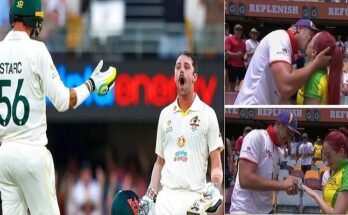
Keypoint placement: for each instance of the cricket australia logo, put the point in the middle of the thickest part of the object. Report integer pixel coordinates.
(169, 127)
(194, 123)
(181, 141)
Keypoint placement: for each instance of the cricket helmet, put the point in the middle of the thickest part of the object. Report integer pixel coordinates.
(29, 12)
(126, 202)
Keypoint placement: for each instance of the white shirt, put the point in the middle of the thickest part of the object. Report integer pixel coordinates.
(304, 150)
(28, 75)
(82, 194)
(293, 148)
(251, 46)
(185, 141)
(258, 148)
(344, 79)
(282, 154)
(346, 45)
(259, 86)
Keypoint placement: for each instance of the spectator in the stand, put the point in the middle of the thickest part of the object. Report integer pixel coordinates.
(293, 148)
(239, 141)
(284, 153)
(173, 39)
(339, 43)
(229, 162)
(54, 31)
(134, 179)
(227, 35)
(227, 31)
(251, 45)
(346, 47)
(87, 192)
(210, 44)
(344, 86)
(235, 49)
(318, 150)
(306, 152)
(75, 25)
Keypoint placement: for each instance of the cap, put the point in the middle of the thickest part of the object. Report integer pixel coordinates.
(238, 26)
(289, 119)
(306, 23)
(304, 135)
(253, 30)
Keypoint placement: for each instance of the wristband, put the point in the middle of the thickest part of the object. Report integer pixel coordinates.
(152, 194)
(82, 93)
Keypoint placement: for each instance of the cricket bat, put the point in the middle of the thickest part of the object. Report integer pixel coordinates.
(199, 206)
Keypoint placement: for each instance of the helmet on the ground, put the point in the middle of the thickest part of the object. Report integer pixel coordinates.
(126, 202)
(29, 12)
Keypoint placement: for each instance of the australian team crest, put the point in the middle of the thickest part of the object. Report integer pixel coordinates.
(194, 123)
(181, 141)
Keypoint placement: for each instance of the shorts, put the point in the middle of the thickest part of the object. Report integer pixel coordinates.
(174, 202)
(235, 72)
(27, 180)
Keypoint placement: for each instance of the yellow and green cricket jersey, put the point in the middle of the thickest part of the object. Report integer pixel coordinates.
(318, 148)
(337, 182)
(316, 87)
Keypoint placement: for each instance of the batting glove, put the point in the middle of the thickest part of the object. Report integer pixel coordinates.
(102, 82)
(148, 202)
(213, 192)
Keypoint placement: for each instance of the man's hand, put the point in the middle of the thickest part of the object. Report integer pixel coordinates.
(148, 202)
(102, 82)
(322, 60)
(290, 185)
(215, 196)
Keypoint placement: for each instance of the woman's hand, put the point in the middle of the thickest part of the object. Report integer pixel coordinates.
(310, 192)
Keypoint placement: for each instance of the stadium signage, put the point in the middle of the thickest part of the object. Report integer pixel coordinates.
(338, 11)
(292, 9)
(338, 114)
(143, 88)
(306, 115)
(275, 9)
(133, 89)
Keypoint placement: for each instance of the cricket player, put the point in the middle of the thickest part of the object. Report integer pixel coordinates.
(27, 76)
(270, 78)
(187, 135)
